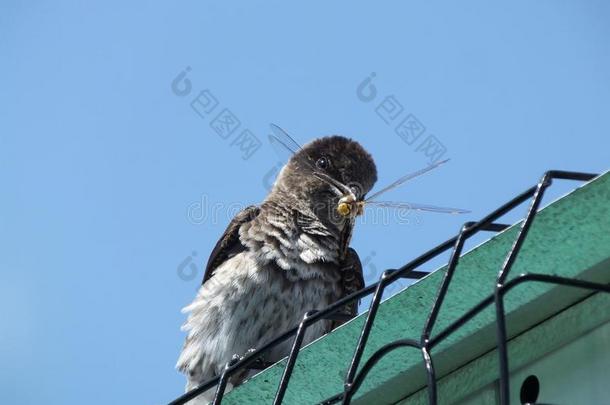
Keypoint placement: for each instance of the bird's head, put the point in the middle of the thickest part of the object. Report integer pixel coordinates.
(325, 172)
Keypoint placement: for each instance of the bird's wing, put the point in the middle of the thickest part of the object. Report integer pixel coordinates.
(352, 280)
(229, 245)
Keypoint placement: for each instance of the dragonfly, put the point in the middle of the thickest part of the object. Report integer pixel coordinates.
(348, 204)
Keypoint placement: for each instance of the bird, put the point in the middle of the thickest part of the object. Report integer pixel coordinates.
(277, 260)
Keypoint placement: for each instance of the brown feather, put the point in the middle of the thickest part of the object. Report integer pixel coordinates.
(229, 245)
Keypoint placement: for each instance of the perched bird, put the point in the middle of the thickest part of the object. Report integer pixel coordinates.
(278, 260)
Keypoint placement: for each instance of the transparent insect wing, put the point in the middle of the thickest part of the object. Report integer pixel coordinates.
(405, 178)
(286, 147)
(408, 206)
(283, 144)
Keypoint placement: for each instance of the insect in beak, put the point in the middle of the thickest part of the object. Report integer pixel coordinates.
(349, 206)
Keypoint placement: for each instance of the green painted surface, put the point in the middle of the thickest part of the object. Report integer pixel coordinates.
(577, 373)
(569, 237)
(471, 383)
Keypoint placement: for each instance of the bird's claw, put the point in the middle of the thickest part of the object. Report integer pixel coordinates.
(350, 261)
(258, 364)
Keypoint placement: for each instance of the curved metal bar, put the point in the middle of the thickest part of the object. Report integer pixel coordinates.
(195, 392)
(430, 375)
(366, 330)
(455, 325)
(440, 295)
(544, 183)
(501, 343)
(501, 319)
(501, 334)
(551, 279)
(466, 231)
(253, 356)
(222, 384)
(479, 307)
(525, 227)
(374, 359)
(404, 271)
(387, 279)
(292, 358)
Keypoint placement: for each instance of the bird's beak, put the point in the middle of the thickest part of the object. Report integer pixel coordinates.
(340, 189)
(349, 205)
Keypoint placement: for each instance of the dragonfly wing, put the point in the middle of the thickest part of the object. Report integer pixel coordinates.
(405, 178)
(417, 207)
(286, 147)
(283, 144)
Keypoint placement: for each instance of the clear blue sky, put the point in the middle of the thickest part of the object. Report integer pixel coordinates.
(100, 160)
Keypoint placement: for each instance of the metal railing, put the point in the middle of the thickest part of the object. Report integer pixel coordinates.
(426, 341)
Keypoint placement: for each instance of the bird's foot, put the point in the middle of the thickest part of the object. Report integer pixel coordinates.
(343, 315)
(260, 363)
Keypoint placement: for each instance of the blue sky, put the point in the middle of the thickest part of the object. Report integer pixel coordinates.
(101, 161)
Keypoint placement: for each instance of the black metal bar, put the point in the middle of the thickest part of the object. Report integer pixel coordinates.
(458, 323)
(406, 271)
(522, 197)
(466, 231)
(544, 183)
(501, 343)
(416, 275)
(552, 279)
(432, 253)
(355, 296)
(501, 335)
(252, 357)
(496, 227)
(364, 334)
(455, 325)
(374, 359)
(431, 376)
(525, 227)
(430, 373)
(440, 296)
(222, 384)
(576, 176)
(414, 264)
(292, 358)
(537, 196)
(195, 392)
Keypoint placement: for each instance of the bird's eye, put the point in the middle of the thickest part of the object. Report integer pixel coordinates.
(322, 163)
